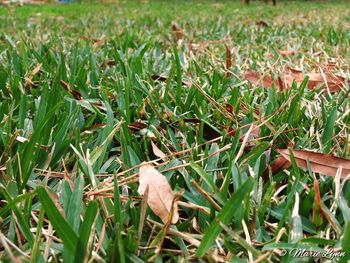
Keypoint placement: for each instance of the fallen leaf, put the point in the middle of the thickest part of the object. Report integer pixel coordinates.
(193, 47)
(228, 61)
(319, 207)
(317, 211)
(279, 164)
(157, 152)
(328, 66)
(333, 82)
(136, 126)
(111, 63)
(28, 79)
(229, 107)
(94, 40)
(289, 75)
(255, 78)
(261, 23)
(94, 127)
(287, 53)
(164, 79)
(326, 164)
(179, 33)
(76, 94)
(160, 194)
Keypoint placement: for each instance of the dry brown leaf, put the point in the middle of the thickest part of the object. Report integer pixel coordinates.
(261, 23)
(328, 66)
(179, 33)
(287, 53)
(277, 165)
(229, 107)
(157, 152)
(136, 126)
(193, 47)
(334, 82)
(164, 79)
(255, 78)
(94, 40)
(28, 79)
(326, 164)
(319, 203)
(76, 94)
(289, 75)
(228, 61)
(160, 195)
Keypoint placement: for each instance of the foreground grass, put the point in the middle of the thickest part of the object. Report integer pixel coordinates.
(80, 106)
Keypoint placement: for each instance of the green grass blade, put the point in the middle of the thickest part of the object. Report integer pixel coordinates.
(225, 216)
(82, 250)
(329, 131)
(63, 229)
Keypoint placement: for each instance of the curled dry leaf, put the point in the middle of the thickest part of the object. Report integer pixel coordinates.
(160, 194)
(287, 53)
(318, 202)
(255, 78)
(193, 47)
(326, 164)
(136, 126)
(157, 152)
(279, 164)
(229, 107)
(76, 94)
(333, 82)
(28, 79)
(179, 33)
(164, 79)
(261, 23)
(228, 61)
(289, 75)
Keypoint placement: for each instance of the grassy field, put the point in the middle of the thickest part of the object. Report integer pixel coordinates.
(88, 92)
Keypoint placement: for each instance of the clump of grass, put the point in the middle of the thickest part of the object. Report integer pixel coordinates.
(83, 98)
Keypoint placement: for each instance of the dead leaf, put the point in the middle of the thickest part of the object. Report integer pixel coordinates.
(326, 164)
(28, 79)
(193, 47)
(94, 127)
(261, 23)
(76, 94)
(111, 63)
(229, 107)
(164, 79)
(179, 33)
(279, 164)
(319, 203)
(255, 78)
(228, 61)
(333, 82)
(317, 215)
(136, 126)
(160, 194)
(287, 53)
(94, 40)
(289, 75)
(328, 66)
(157, 152)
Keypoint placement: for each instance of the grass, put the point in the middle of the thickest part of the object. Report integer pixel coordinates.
(74, 132)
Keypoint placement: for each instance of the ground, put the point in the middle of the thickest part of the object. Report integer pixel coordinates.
(91, 91)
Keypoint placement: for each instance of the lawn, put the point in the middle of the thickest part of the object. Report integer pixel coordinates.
(175, 131)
